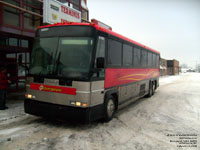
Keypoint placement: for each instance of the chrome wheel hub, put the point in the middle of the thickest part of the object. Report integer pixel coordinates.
(110, 107)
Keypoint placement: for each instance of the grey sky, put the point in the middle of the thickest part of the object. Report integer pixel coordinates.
(169, 26)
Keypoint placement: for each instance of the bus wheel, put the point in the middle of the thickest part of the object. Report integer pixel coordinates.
(150, 89)
(153, 87)
(109, 108)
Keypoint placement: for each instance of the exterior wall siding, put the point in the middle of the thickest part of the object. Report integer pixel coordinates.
(172, 67)
(163, 67)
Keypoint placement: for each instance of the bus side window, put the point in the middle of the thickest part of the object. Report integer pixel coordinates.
(100, 47)
(157, 61)
(154, 60)
(127, 55)
(100, 52)
(136, 58)
(143, 58)
(114, 53)
(150, 59)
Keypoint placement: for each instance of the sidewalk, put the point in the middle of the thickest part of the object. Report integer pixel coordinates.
(15, 103)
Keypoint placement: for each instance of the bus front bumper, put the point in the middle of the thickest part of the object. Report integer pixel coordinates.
(61, 112)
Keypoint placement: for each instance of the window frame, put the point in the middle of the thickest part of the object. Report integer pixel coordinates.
(107, 53)
(138, 65)
(123, 64)
(151, 63)
(142, 58)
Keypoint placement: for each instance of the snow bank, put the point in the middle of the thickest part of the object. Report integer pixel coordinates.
(168, 79)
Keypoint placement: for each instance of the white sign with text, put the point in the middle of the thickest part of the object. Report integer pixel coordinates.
(54, 11)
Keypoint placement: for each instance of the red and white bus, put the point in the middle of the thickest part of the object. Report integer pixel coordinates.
(87, 72)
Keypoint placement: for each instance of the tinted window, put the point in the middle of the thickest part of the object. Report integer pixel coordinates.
(65, 57)
(154, 60)
(143, 58)
(100, 47)
(72, 31)
(150, 59)
(100, 53)
(136, 57)
(43, 55)
(157, 61)
(114, 53)
(127, 55)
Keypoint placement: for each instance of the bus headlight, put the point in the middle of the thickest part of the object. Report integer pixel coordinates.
(29, 96)
(79, 104)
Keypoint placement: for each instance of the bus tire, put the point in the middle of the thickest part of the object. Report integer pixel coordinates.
(109, 108)
(150, 93)
(153, 87)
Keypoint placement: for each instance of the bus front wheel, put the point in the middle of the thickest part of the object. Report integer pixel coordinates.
(109, 108)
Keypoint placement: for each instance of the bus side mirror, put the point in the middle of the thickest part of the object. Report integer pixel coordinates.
(100, 62)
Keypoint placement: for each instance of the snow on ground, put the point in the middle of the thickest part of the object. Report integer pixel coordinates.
(168, 79)
(143, 125)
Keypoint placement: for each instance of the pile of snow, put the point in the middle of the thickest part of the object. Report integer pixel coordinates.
(168, 79)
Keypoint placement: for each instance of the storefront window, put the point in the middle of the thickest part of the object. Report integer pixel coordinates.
(24, 43)
(33, 3)
(77, 2)
(84, 14)
(13, 42)
(28, 21)
(31, 21)
(76, 7)
(4, 40)
(11, 15)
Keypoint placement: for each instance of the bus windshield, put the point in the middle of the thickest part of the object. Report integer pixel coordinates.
(62, 57)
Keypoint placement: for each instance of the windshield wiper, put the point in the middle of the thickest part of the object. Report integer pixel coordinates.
(55, 68)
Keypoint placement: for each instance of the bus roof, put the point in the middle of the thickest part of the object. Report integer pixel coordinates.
(100, 29)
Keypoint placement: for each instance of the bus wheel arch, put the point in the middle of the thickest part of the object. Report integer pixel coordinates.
(110, 106)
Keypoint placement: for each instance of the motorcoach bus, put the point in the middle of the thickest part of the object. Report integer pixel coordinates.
(86, 71)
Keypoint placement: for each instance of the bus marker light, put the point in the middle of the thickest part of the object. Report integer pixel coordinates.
(72, 103)
(84, 105)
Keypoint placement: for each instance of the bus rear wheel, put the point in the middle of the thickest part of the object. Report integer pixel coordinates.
(150, 93)
(109, 108)
(153, 87)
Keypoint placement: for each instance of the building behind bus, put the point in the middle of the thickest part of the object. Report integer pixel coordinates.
(19, 20)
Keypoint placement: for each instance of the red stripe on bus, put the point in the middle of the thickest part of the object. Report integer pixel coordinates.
(55, 89)
(117, 76)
